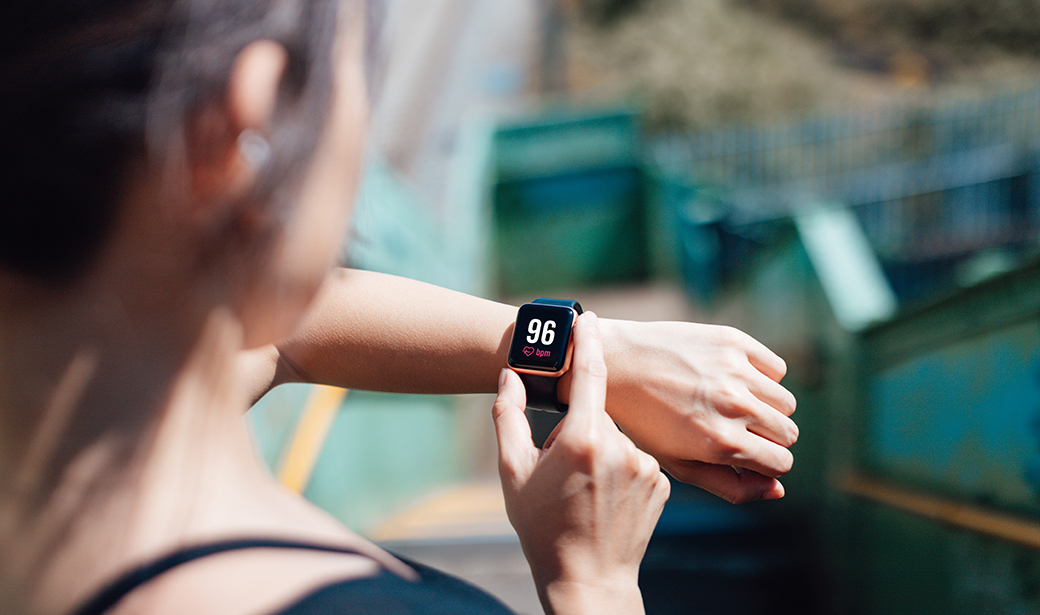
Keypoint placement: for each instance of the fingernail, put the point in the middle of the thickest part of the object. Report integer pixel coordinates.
(502, 378)
(592, 318)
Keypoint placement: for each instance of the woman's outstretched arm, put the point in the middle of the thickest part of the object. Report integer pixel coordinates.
(379, 332)
(702, 399)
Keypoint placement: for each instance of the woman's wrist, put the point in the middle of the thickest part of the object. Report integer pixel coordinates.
(579, 585)
(614, 341)
(259, 370)
(603, 596)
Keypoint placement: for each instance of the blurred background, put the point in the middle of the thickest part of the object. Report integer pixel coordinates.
(853, 182)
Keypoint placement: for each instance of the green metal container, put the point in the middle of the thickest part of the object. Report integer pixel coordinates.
(569, 203)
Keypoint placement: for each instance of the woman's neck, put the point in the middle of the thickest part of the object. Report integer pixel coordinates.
(115, 448)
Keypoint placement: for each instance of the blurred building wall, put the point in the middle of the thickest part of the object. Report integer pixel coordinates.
(443, 67)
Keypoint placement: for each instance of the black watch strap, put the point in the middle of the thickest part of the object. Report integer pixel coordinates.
(542, 394)
(544, 410)
(542, 415)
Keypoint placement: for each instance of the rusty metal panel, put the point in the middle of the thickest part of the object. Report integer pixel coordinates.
(963, 419)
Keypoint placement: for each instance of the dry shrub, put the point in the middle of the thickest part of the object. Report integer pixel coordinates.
(1011, 24)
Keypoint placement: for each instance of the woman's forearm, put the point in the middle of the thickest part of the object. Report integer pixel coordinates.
(702, 399)
(380, 332)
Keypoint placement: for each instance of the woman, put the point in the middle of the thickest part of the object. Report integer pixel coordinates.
(173, 173)
(172, 205)
(702, 399)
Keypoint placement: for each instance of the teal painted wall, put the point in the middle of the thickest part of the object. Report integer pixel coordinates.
(386, 450)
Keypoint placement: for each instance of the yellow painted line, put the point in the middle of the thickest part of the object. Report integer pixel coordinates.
(301, 454)
(956, 513)
(470, 510)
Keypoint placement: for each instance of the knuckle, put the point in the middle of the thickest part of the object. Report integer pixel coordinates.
(742, 497)
(728, 398)
(582, 449)
(730, 335)
(664, 486)
(592, 367)
(589, 330)
(648, 466)
(499, 408)
(631, 468)
(662, 490)
(723, 446)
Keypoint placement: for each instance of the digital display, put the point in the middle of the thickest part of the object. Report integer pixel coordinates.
(541, 337)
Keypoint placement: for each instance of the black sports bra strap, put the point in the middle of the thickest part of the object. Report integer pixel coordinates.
(110, 595)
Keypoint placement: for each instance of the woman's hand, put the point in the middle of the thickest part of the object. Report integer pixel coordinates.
(586, 505)
(704, 400)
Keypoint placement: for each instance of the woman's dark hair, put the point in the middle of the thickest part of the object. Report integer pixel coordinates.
(86, 84)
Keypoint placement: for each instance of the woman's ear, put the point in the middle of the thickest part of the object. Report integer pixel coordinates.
(255, 81)
(227, 140)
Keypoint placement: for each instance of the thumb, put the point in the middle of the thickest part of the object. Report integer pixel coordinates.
(589, 384)
(516, 451)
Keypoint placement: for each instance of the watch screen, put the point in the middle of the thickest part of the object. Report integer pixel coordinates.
(541, 336)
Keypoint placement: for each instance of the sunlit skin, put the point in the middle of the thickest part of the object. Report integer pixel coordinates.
(127, 383)
(700, 398)
(122, 395)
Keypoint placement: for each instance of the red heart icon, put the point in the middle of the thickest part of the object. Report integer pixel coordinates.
(528, 351)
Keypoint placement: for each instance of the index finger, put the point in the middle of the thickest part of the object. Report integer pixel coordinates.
(589, 373)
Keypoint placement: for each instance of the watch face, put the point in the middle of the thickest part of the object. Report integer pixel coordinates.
(541, 337)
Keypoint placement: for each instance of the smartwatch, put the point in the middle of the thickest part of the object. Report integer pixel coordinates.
(540, 353)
